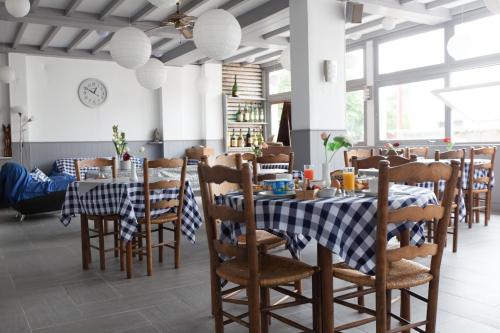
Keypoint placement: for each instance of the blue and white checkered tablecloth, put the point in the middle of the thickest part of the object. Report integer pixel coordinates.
(345, 225)
(462, 211)
(126, 199)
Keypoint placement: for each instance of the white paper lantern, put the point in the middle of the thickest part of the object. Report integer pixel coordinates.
(493, 6)
(217, 34)
(461, 46)
(152, 75)
(388, 23)
(163, 3)
(17, 8)
(285, 59)
(7, 75)
(130, 48)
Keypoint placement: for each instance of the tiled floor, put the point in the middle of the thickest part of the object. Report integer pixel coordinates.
(43, 289)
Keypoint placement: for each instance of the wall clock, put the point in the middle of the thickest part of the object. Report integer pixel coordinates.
(92, 93)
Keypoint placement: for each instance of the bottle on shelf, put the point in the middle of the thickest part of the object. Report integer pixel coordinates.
(248, 139)
(234, 91)
(246, 113)
(239, 114)
(261, 137)
(261, 114)
(234, 140)
(255, 115)
(255, 138)
(241, 140)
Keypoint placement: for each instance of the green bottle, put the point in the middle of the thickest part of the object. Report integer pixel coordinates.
(234, 91)
(239, 114)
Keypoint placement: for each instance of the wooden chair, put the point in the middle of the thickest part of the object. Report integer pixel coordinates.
(395, 268)
(359, 153)
(271, 159)
(249, 268)
(100, 229)
(172, 218)
(418, 151)
(374, 161)
(455, 220)
(475, 203)
(276, 150)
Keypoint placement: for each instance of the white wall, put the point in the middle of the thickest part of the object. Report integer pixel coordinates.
(51, 96)
(4, 100)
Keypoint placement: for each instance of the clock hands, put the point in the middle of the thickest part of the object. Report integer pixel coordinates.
(93, 92)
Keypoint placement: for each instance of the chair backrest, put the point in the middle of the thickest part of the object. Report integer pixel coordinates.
(272, 159)
(458, 155)
(232, 161)
(214, 212)
(413, 173)
(418, 151)
(373, 162)
(164, 184)
(359, 153)
(487, 153)
(276, 150)
(95, 163)
(396, 160)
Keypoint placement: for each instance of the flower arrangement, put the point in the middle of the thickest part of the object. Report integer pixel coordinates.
(120, 143)
(334, 145)
(449, 143)
(257, 149)
(392, 147)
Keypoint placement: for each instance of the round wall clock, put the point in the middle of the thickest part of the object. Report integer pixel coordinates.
(92, 93)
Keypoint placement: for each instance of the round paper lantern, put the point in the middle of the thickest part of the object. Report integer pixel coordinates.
(285, 59)
(102, 34)
(388, 23)
(217, 34)
(461, 46)
(130, 47)
(493, 6)
(17, 8)
(163, 3)
(7, 74)
(152, 75)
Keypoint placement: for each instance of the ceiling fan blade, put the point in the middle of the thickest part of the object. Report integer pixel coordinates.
(189, 18)
(187, 33)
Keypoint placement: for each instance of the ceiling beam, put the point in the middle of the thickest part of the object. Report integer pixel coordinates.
(160, 43)
(143, 12)
(192, 5)
(19, 34)
(102, 44)
(110, 8)
(50, 36)
(364, 26)
(79, 39)
(231, 4)
(244, 55)
(34, 5)
(413, 11)
(178, 51)
(72, 7)
(265, 57)
(53, 51)
(276, 32)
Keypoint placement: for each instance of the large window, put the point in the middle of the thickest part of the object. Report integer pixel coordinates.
(416, 51)
(477, 38)
(355, 115)
(279, 82)
(411, 112)
(355, 65)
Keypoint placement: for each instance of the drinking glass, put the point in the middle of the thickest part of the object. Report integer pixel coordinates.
(349, 180)
(309, 172)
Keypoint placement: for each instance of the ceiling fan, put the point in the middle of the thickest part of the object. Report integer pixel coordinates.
(180, 21)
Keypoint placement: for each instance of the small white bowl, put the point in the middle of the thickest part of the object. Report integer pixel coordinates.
(328, 192)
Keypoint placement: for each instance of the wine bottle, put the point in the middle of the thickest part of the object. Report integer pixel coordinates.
(234, 91)
(261, 114)
(246, 113)
(248, 139)
(239, 114)
(255, 117)
(255, 138)
(234, 141)
(241, 140)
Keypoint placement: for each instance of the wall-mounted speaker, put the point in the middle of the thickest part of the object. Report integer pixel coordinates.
(354, 12)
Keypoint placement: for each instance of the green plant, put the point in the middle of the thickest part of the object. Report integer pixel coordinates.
(119, 141)
(334, 145)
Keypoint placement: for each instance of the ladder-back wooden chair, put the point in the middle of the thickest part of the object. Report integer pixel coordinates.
(455, 209)
(272, 159)
(170, 220)
(418, 151)
(479, 189)
(359, 153)
(100, 229)
(395, 267)
(248, 267)
(373, 162)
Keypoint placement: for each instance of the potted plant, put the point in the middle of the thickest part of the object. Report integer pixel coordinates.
(121, 148)
(392, 148)
(449, 143)
(331, 148)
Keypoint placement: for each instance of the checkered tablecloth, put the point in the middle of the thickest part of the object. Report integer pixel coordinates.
(126, 199)
(346, 225)
(462, 211)
(67, 165)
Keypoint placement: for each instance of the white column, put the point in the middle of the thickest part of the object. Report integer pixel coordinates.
(317, 34)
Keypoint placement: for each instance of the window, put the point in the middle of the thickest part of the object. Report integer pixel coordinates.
(355, 65)
(411, 112)
(276, 110)
(424, 49)
(355, 115)
(474, 114)
(280, 81)
(477, 38)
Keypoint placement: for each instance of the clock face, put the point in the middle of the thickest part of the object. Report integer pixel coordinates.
(92, 92)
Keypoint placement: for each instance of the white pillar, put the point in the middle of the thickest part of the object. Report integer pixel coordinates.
(317, 30)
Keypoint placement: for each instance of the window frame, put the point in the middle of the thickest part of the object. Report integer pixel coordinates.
(360, 84)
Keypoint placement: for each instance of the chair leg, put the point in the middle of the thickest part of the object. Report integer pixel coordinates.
(177, 243)
(456, 220)
(476, 205)
(160, 241)
(149, 249)
(381, 312)
(432, 305)
(487, 203)
(116, 237)
(122, 255)
(139, 241)
(405, 312)
(105, 226)
(388, 302)
(297, 285)
(102, 257)
(217, 305)
(84, 224)
(316, 306)
(470, 209)
(361, 299)
(265, 317)
(129, 259)
(254, 308)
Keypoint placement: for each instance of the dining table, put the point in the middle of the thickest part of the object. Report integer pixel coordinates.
(344, 225)
(124, 197)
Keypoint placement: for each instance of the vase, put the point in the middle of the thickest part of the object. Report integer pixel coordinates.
(125, 165)
(133, 173)
(326, 174)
